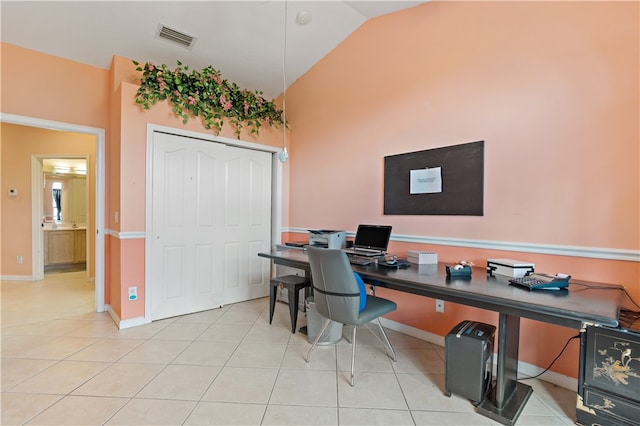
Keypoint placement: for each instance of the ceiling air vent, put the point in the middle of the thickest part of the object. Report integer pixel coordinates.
(175, 36)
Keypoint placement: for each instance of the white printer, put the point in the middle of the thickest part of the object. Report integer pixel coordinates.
(327, 238)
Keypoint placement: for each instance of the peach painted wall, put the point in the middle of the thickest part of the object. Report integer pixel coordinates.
(47, 87)
(552, 89)
(19, 143)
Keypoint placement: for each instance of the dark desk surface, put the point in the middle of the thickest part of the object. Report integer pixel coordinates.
(566, 308)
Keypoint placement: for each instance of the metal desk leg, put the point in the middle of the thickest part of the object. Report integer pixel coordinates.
(507, 399)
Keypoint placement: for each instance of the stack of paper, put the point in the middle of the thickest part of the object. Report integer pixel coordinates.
(422, 257)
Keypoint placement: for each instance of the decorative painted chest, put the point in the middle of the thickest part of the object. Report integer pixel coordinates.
(609, 377)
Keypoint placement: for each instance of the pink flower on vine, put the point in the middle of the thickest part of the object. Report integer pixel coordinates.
(217, 79)
(246, 107)
(226, 104)
(192, 100)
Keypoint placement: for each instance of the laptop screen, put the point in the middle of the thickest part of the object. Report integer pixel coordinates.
(375, 237)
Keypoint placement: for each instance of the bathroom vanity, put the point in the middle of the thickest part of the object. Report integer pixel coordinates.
(65, 245)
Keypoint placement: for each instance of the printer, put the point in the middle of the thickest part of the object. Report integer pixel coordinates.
(327, 238)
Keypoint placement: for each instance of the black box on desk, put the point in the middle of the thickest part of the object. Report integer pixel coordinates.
(469, 360)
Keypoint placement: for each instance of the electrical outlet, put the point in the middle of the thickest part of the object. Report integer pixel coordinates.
(133, 293)
(19, 260)
(439, 305)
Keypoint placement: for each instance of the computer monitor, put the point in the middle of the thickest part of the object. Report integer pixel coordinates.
(372, 237)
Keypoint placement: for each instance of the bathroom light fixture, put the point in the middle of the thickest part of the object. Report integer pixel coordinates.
(284, 155)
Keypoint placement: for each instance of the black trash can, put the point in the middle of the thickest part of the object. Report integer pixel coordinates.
(469, 359)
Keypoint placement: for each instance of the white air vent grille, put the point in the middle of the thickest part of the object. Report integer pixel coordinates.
(175, 36)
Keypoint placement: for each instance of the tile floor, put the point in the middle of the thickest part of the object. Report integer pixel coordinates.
(62, 363)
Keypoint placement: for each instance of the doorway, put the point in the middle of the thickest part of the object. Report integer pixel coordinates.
(66, 214)
(98, 185)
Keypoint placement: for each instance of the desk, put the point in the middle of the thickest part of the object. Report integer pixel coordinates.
(569, 309)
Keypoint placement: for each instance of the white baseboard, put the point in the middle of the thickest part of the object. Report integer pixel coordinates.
(524, 369)
(16, 278)
(122, 324)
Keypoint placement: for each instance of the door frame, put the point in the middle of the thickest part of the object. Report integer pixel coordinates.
(36, 237)
(276, 192)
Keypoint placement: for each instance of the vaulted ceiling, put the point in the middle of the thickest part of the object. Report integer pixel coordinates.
(248, 41)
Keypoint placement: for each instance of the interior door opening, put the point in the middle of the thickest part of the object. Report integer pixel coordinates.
(66, 215)
(98, 183)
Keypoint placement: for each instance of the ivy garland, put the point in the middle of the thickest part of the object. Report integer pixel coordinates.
(207, 95)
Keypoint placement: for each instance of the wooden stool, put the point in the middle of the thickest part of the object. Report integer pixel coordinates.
(293, 283)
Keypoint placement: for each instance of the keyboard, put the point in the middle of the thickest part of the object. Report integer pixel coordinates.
(542, 282)
(359, 260)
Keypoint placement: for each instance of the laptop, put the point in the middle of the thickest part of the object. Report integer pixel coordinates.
(371, 240)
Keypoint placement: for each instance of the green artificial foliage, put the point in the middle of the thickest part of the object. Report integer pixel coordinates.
(207, 95)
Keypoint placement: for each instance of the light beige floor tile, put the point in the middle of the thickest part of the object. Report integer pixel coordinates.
(257, 355)
(156, 351)
(94, 329)
(55, 327)
(226, 413)
(186, 382)
(300, 415)
(365, 335)
(146, 331)
(368, 416)
(225, 333)
(535, 420)
(379, 390)
(442, 418)
(20, 346)
(425, 361)
(205, 317)
(560, 400)
(368, 358)
(107, 350)
(267, 334)
(59, 348)
(535, 407)
(206, 353)
(181, 331)
(17, 370)
(305, 387)
(321, 358)
(239, 317)
(399, 340)
(425, 392)
(120, 380)
(247, 385)
(18, 408)
(61, 378)
(147, 412)
(79, 410)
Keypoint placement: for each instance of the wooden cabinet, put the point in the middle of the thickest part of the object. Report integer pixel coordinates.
(80, 246)
(609, 380)
(65, 246)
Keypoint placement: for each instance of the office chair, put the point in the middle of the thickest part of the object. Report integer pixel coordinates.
(337, 298)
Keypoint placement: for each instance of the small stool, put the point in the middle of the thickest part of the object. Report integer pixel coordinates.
(293, 283)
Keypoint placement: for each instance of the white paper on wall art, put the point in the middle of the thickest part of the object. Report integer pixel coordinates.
(426, 181)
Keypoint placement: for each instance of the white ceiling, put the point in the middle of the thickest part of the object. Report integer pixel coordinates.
(245, 40)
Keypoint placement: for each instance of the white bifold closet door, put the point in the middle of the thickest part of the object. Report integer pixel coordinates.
(211, 216)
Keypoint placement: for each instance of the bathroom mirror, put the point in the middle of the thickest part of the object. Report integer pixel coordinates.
(65, 191)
